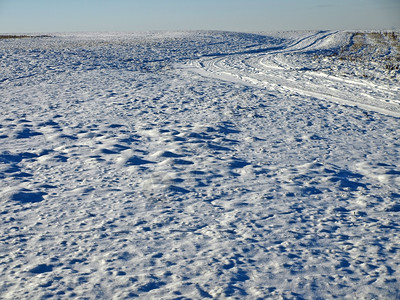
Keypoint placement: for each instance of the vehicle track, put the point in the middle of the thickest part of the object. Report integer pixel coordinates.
(280, 69)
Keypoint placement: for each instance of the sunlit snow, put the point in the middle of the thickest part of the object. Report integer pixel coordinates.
(192, 165)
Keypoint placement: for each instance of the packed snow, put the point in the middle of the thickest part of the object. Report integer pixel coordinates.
(192, 165)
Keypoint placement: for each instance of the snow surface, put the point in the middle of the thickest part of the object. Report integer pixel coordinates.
(191, 165)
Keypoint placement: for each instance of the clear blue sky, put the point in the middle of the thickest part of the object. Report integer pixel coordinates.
(18, 16)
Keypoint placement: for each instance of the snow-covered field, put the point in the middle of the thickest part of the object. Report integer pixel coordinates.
(191, 165)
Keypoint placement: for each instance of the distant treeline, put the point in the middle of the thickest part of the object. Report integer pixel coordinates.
(10, 36)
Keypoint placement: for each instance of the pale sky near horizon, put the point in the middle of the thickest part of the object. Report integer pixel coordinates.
(29, 16)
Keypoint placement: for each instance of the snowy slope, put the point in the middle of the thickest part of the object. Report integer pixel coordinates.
(191, 165)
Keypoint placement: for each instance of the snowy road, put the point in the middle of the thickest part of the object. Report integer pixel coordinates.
(272, 70)
(192, 165)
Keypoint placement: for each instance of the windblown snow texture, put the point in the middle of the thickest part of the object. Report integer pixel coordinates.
(192, 165)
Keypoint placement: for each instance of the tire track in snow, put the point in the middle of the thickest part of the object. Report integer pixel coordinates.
(270, 70)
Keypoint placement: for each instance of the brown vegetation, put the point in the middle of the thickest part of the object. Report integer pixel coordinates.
(375, 46)
(366, 54)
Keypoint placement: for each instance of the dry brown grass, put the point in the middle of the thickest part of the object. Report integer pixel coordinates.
(392, 36)
(361, 41)
(365, 51)
(377, 38)
(358, 40)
